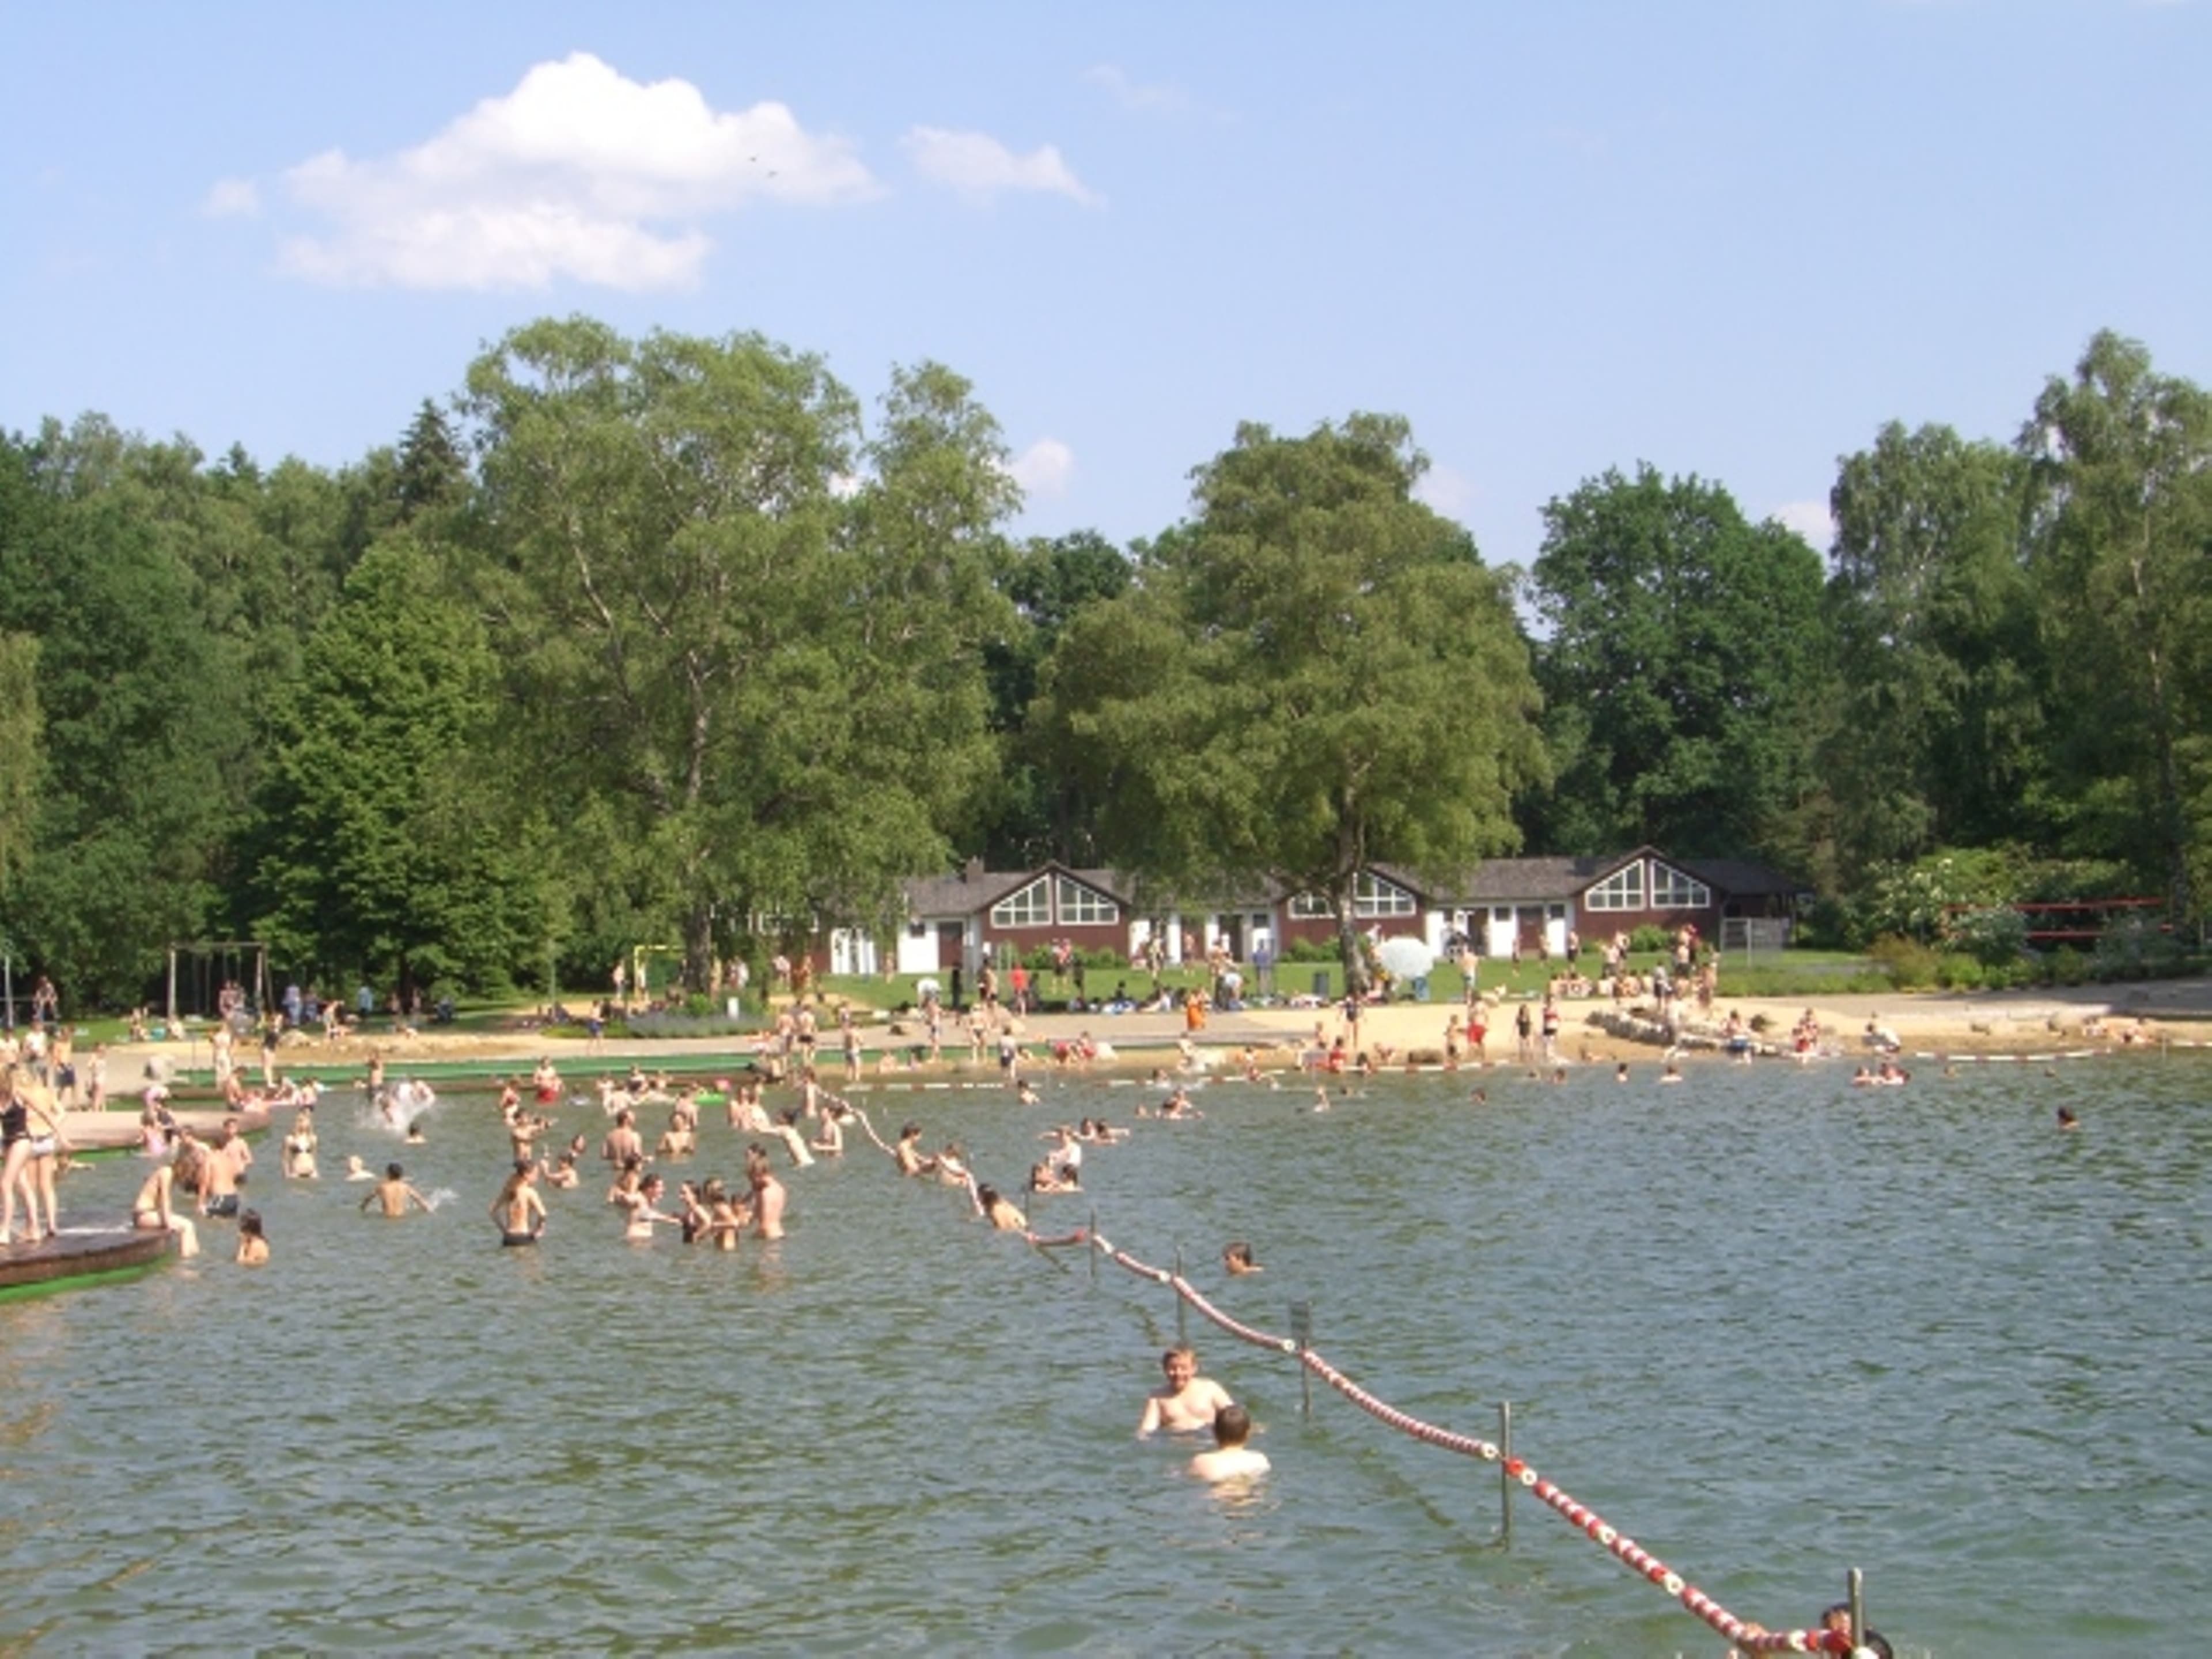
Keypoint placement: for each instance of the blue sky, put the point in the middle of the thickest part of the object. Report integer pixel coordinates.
(1730, 240)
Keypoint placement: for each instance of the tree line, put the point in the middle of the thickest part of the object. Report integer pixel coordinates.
(672, 639)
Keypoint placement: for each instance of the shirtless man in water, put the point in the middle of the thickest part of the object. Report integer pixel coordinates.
(223, 1171)
(1186, 1402)
(395, 1195)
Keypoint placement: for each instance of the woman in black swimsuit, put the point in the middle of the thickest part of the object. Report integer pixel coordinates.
(16, 1173)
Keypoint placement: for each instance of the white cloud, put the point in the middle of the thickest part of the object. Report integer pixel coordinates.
(978, 166)
(1132, 95)
(1044, 468)
(578, 173)
(1447, 490)
(232, 198)
(1810, 519)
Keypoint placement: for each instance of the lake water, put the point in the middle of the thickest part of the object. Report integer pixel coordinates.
(1772, 1325)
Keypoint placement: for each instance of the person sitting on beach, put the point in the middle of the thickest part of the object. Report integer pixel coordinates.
(1230, 1458)
(152, 1211)
(518, 1210)
(252, 1242)
(1237, 1258)
(1185, 1403)
(394, 1195)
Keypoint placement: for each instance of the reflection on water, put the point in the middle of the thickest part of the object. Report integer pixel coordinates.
(1773, 1326)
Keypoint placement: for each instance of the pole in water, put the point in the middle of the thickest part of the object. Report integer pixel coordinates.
(1182, 1307)
(1504, 1479)
(1302, 1332)
(1855, 1593)
(1093, 1237)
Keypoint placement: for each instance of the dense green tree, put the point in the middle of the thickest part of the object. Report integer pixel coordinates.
(1682, 664)
(1938, 721)
(138, 718)
(768, 677)
(1314, 675)
(1040, 814)
(383, 852)
(2121, 460)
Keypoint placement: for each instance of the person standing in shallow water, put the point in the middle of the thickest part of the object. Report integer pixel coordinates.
(519, 1210)
(1186, 1402)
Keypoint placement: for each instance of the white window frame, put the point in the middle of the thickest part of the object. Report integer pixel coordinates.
(1623, 890)
(1305, 907)
(1373, 899)
(1085, 907)
(1029, 906)
(1681, 893)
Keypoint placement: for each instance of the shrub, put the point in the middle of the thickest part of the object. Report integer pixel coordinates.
(2066, 966)
(1958, 971)
(1650, 937)
(1309, 949)
(1994, 935)
(1910, 965)
(2134, 946)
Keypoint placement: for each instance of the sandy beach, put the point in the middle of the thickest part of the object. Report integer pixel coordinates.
(2025, 1022)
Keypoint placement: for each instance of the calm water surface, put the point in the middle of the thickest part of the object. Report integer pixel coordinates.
(1771, 1326)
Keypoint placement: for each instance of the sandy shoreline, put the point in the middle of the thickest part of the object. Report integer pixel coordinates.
(2026, 1024)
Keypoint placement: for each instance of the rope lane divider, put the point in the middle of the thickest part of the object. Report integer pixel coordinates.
(1747, 1637)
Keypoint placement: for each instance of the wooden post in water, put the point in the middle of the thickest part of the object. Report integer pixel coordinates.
(1505, 1478)
(1855, 1593)
(1182, 1307)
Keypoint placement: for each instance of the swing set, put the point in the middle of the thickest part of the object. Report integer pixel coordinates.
(199, 969)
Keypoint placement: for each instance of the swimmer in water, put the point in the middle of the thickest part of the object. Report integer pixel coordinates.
(1320, 1098)
(357, 1170)
(1237, 1258)
(2067, 1120)
(643, 1205)
(1673, 1073)
(1230, 1458)
(252, 1242)
(995, 1208)
(1185, 1403)
(394, 1195)
(520, 1212)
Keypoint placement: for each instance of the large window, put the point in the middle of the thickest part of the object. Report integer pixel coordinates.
(1029, 907)
(1370, 899)
(1085, 907)
(1621, 891)
(1672, 890)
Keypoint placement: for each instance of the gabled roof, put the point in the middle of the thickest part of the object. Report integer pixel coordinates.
(976, 888)
(1505, 880)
